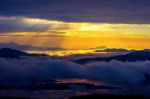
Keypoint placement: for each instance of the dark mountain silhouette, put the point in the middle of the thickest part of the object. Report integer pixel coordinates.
(114, 50)
(13, 53)
(142, 55)
(134, 56)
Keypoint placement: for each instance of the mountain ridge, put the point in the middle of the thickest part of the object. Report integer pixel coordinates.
(141, 55)
(13, 53)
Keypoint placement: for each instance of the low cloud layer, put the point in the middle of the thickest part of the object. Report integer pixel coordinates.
(25, 71)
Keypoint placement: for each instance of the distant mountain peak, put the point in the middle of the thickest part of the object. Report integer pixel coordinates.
(13, 53)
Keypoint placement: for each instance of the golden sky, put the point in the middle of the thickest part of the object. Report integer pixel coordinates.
(78, 35)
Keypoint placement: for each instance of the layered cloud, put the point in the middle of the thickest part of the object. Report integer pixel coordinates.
(22, 24)
(103, 11)
(28, 47)
(24, 71)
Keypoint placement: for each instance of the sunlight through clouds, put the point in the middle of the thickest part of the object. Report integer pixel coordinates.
(47, 33)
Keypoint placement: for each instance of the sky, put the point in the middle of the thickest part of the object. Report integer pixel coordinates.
(76, 24)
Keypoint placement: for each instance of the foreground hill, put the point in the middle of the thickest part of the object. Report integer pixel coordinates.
(109, 96)
(142, 55)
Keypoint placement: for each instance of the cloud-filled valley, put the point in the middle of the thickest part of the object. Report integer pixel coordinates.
(25, 71)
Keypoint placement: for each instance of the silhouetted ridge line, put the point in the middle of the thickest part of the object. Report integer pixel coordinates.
(142, 55)
(13, 53)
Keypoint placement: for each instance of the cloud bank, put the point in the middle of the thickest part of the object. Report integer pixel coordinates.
(25, 71)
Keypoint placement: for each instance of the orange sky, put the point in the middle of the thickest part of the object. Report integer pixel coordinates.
(72, 35)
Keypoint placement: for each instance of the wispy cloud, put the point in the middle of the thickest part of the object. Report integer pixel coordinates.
(22, 24)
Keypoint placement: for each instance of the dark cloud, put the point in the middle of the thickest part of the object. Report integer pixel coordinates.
(22, 24)
(27, 47)
(14, 24)
(111, 11)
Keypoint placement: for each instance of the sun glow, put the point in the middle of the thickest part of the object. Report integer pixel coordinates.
(79, 35)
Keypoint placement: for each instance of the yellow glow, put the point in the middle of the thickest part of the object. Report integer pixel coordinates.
(73, 35)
